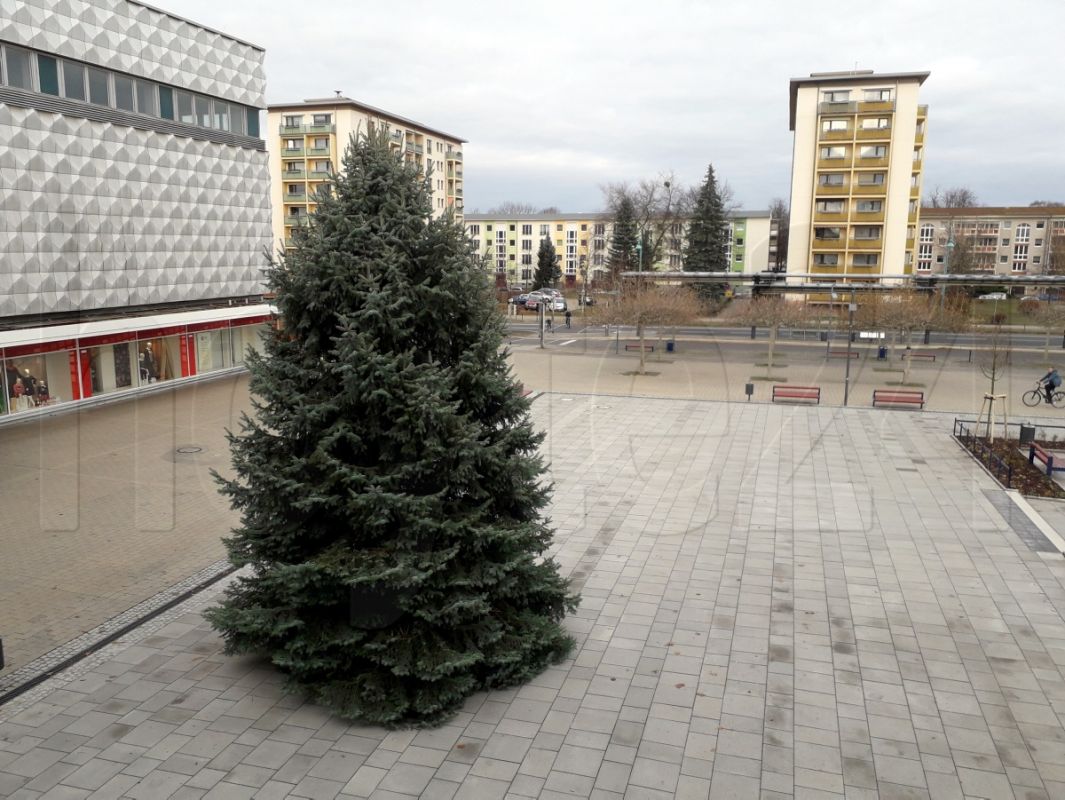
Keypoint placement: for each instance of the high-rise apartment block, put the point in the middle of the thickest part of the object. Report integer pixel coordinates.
(856, 172)
(509, 243)
(133, 199)
(307, 141)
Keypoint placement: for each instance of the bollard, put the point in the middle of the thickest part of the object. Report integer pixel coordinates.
(927, 335)
(753, 329)
(749, 389)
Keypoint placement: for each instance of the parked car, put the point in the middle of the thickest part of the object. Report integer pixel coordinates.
(993, 296)
(558, 304)
(519, 301)
(532, 302)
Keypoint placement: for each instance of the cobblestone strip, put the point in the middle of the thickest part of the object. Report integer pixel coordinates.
(12, 685)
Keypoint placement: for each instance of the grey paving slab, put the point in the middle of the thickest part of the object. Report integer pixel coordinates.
(777, 602)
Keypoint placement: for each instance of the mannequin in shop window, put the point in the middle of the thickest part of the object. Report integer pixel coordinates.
(29, 383)
(42, 393)
(148, 366)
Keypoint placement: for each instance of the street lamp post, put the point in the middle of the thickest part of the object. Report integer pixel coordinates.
(946, 270)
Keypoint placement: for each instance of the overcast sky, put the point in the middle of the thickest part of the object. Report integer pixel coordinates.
(557, 99)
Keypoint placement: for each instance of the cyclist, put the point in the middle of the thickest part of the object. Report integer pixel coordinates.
(1050, 381)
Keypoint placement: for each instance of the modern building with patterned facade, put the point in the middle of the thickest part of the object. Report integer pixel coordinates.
(134, 200)
(509, 244)
(307, 141)
(856, 172)
(1022, 240)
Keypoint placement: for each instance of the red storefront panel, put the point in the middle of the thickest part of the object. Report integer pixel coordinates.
(39, 348)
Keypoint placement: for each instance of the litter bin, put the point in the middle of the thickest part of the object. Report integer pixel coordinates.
(1027, 433)
(881, 353)
(824, 336)
(669, 347)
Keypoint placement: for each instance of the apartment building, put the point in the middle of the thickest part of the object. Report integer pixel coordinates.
(857, 162)
(582, 244)
(1001, 240)
(133, 200)
(307, 140)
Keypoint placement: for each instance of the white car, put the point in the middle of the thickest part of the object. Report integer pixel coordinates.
(993, 296)
(559, 304)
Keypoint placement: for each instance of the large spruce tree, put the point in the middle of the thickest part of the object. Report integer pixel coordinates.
(708, 232)
(622, 255)
(547, 270)
(389, 487)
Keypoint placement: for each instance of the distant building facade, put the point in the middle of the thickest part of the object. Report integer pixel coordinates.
(1024, 240)
(509, 244)
(856, 172)
(134, 190)
(307, 140)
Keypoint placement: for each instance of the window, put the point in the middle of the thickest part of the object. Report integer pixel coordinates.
(293, 121)
(558, 227)
(870, 206)
(526, 259)
(203, 112)
(17, 68)
(1001, 259)
(916, 155)
(321, 119)
(914, 180)
(511, 242)
(600, 229)
(831, 179)
(739, 242)
(512, 227)
(1005, 242)
(871, 179)
(166, 103)
(924, 251)
(584, 226)
(526, 244)
(833, 124)
(826, 259)
(873, 151)
(1036, 259)
(837, 96)
(833, 152)
(1039, 225)
(739, 257)
(146, 100)
(927, 233)
(48, 75)
(545, 230)
(124, 93)
(877, 95)
(295, 188)
(1038, 242)
(253, 122)
(1020, 252)
(488, 228)
(98, 87)
(73, 81)
(291, 144)
(866, 259)
(867, 232)
(293, 166)
(526, 230)
(475, 230)
(320, 142)
(876, 123)
(827, 233)
(526, 274)
(1024, 231)
(184, 105)
(221, 115)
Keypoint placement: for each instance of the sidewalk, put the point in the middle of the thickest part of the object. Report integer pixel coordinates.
(777, 602)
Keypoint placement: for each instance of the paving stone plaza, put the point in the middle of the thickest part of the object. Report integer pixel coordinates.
(777, 602)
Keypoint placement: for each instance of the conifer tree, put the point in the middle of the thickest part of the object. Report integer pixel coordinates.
(622, 255)
(547, 270)
(390, 492)
(708, 230)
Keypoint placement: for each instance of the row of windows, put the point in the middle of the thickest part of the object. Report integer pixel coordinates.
(868, 95)
(526, 230)
(867, 124)
(839, 206)
(857, 259)
(840, 178)
(863, 232)
(73, 80)
(867, 151)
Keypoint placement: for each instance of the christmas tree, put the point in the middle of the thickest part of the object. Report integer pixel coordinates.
(388, 482)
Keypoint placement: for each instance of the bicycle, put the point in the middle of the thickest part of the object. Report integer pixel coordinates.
(1034, 397)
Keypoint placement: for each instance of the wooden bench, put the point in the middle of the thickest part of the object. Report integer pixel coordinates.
(844, 354)
(637, 346)
(911, 354)
(781, 392)
(1037, 453)
(897, 397)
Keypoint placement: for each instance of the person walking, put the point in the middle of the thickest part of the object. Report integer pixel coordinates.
(569, 317)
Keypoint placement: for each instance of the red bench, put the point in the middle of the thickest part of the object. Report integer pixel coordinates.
(781, 392)
(1037, 453)
(911, 354)
(637, 346)
(897, 397)
(843, 354)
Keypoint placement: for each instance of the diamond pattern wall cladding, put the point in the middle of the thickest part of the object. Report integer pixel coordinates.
(95, 215)
(130, 38)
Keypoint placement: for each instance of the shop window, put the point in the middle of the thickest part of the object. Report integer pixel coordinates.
(158, 360)
(34, 381)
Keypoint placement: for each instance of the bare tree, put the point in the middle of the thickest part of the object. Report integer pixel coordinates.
(649, 305)
(662, 207)
(1050, 317)
(1046, 203)
(952, 197)
(772, 312)
(512, 208)
(781, 214)
(993, 362)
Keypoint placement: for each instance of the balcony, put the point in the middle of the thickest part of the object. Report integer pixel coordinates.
(292, 152)
(839, 217)
(454, 155)
(834, 163)
(863, 217)
(877, 105)
(458, 192)
(915, 192)
(837, 108)
(872, 161)
(866, 245)
(869, 189)
(823, 190)
(419, 149)
(830, 136)
(296, 197)
(327, 127)
(299, 219)
(294, 175)
(317, 151)
(410, 147)
(874, 133)
(922, 111)
(290, 130)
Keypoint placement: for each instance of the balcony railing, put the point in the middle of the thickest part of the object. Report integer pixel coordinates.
(866, 244)
(296, 220)
(454, 155)
(873, 189)
(871, 161)
(298, 175)
(874, 133)
(834, 163)
(922, 111)
(292, 152)
(877, 105)
(396, 136)
(317, 151)
(824, 189)
(287, 130)
(296, 197)
(837, 108)
(419, 148)
(410, 147)
(827, 136)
